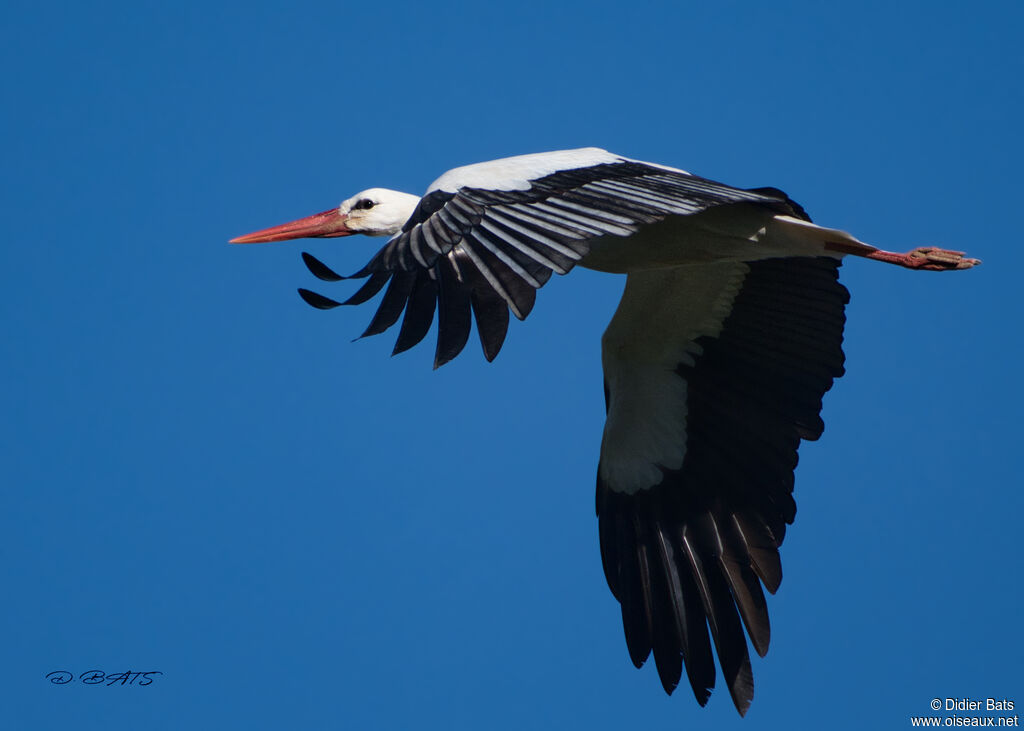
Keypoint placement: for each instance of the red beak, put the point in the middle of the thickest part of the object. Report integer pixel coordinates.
(324, 225)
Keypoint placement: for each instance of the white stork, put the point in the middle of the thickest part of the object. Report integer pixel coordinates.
(728, 334)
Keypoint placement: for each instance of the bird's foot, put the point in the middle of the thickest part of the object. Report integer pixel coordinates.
(930, 258)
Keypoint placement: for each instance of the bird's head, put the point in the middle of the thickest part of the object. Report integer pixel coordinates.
(374, 212)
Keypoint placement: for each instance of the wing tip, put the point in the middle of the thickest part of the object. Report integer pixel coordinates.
(317, 300)
(320, 270)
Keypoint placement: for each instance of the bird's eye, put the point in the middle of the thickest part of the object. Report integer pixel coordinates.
(363, 203)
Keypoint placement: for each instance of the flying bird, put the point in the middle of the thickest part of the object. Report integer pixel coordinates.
(727, 337)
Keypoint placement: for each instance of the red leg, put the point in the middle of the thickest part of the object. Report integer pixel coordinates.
(924, 257)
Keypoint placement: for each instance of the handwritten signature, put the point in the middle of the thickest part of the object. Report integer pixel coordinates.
(98, 677)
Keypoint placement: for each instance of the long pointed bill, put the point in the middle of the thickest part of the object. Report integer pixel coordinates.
(324, 225)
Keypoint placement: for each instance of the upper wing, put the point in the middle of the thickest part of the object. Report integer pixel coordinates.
(707, 404)
(486, 250)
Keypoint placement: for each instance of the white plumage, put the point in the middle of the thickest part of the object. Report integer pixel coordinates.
(517, 173)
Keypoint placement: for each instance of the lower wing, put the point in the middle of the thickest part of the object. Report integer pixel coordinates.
(713, 375)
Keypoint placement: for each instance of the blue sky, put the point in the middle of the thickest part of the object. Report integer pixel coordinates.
(205, 477)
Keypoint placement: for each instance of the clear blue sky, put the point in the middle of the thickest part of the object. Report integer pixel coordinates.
(204, 477)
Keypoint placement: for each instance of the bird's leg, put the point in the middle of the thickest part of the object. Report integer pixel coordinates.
(930, 258)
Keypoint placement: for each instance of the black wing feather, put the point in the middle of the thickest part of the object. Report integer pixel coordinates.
(370, 288)
(320, 270)
(453, 314)
(318, 300)
(392, 304)
(419, 313)
(490, 310)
